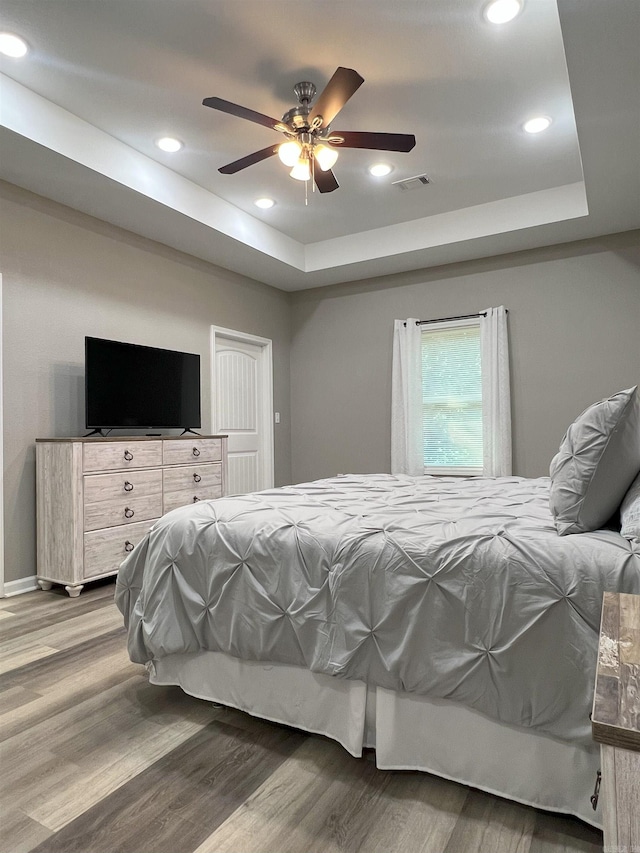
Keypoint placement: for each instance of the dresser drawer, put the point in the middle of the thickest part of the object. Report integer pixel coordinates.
(122, 498)
(121, 455)
(189, 484)
(190, 477)
(183, 451)
(104, 550)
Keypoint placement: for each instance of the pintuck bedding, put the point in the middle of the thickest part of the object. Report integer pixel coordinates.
(446, 588)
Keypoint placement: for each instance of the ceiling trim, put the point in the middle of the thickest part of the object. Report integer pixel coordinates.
(556, 204)
(35, 118)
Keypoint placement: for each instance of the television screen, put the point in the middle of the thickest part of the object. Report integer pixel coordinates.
(128, 385)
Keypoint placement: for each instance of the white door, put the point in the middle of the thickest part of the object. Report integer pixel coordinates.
(242, 407)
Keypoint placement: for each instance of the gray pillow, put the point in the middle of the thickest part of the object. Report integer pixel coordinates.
(630, 512)
(598, 459)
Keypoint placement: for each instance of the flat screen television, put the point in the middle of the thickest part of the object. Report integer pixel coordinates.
(140, 387)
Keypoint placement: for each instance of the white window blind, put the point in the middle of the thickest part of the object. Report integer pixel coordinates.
(452, 398)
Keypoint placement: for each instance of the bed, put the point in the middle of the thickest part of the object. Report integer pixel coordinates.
(442, 621)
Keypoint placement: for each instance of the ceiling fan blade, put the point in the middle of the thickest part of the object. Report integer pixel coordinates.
(243, 112)
(335, 95)
(249, 160)
(325, 181)
(380, 141)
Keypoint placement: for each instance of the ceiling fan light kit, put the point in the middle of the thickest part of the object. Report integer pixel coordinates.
(325, 157)
(289, 152)
(310, 140)
(302, 170)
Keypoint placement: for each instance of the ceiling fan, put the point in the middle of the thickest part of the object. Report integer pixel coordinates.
(310, 140)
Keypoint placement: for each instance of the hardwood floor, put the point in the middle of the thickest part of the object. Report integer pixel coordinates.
(95, 760)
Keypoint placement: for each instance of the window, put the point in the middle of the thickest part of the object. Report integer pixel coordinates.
(452, 398)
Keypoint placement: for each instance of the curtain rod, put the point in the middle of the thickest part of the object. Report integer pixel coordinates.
(446, 319)
(459, 317)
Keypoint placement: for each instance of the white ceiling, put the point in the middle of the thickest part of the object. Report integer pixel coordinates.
(80, 113)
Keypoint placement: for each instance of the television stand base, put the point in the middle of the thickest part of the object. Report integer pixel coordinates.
(99, 432)
(185, 431)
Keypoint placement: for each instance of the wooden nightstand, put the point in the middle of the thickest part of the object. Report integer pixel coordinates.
(615, 721)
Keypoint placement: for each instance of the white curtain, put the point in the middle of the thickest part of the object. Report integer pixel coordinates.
(496, 395)
(406, 399)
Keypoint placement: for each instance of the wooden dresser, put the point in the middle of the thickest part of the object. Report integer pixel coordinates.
(615, 720)
(98, 497)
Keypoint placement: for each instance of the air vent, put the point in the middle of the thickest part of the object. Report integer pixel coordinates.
(412, 183)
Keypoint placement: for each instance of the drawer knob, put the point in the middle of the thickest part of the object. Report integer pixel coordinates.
(197, 478)
(196, 452)
(128, 455)
(128, 546)
(128, 487)
(596, 791)
(128, 512)
(195, 499)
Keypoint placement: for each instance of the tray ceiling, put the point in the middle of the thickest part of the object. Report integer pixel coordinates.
(80, 114)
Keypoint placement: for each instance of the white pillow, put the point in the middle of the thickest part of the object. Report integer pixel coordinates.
(630, 512)
(598, 459)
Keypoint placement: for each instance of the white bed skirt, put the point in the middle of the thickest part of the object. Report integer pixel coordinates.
(408, 732)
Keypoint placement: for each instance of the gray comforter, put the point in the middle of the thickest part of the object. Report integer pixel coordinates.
(457, 589)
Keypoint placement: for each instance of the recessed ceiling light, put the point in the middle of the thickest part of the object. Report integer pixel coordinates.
(379, 170)
(168, 143)
(264, 203)
(537, 124)
(502, 11)
(12, 45)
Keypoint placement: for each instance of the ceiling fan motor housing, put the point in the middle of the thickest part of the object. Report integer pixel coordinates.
(297, 116)
(304, 92)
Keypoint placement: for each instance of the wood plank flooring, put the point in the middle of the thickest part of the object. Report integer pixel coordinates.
(95, 760)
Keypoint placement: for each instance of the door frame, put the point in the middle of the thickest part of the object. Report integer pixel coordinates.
(266, 387)
(1, 455)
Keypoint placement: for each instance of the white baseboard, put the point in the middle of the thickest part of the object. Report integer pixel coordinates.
(21, 585)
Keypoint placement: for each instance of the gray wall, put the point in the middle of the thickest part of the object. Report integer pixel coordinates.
(66, 275)
(574, 325)
(574, 322)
